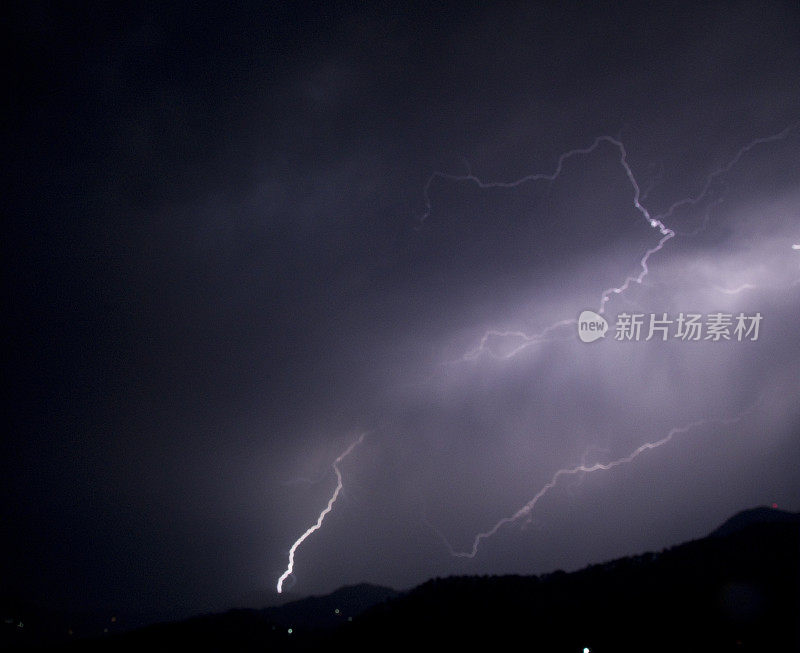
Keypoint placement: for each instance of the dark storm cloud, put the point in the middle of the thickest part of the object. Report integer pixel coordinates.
(218, 277)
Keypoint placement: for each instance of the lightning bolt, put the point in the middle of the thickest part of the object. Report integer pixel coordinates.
(322, 515)
(655, 223)
(524, 340)
(520, 340)
(737, 290)
(728, 167)
(526, 510)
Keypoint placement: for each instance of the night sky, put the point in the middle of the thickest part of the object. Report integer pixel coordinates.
(239, 237)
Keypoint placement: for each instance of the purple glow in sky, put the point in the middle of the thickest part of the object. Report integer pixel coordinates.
(240, 237)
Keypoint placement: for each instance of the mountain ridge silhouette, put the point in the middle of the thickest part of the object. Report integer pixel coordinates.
(737, 588)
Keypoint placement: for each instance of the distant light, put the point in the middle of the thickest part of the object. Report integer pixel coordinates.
(586, 649)
(797, 246)
(349, 618)
(113, 619)
(336, 610)
(774, 505)
(289, 631)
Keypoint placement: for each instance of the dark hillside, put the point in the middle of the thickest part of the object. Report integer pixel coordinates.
(735, 590)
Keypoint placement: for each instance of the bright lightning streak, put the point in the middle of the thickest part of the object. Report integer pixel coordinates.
(655, 222)
(322, 515)
(523, 340)
(526, 510)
